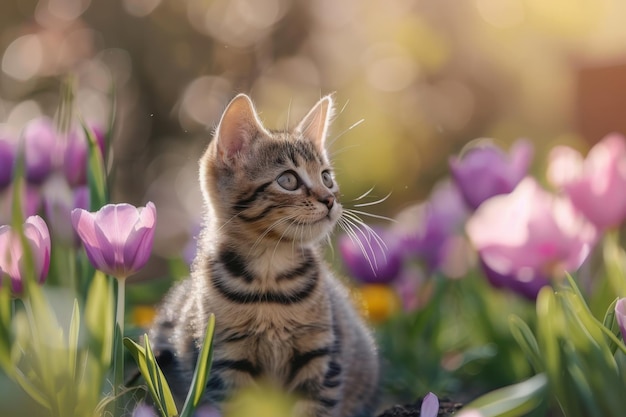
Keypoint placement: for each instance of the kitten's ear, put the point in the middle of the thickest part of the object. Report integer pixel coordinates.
(238, 126)
(314, 126)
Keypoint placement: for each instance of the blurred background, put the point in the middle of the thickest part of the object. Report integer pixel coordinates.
(414, 81)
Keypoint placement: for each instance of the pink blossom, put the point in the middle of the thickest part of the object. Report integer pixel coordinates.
(118, 238)
(596, 184)
(528, 237)
(12, 252)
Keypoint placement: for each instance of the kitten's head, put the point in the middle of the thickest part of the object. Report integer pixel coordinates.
(270, 185)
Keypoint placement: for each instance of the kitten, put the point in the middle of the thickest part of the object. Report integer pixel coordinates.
(271, 200)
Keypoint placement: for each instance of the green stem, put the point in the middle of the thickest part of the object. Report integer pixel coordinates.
(121, 290)
(118, 348)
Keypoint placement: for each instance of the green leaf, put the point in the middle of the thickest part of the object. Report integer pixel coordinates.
(72, 346)
(96, 173)
(201, 373)
(514, 400)
(157, 384)
(527, 341)
(160, 383)
(5, 325)
(549, 326)
(99, 317)
(30, 389)
(614, 261)
(118, 359)
(19, 184)
(610, 323)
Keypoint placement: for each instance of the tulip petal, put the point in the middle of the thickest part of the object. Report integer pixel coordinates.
(117, 222)
(118, 238)
(430, 406)
(84, 224)
(10, 255)
(36, 231)
(544, 237)
(139, 244)
(12, 251)
(594, 185)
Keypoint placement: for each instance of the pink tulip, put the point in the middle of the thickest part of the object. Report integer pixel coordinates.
(596, 184)
(620, 316)
(118, 238)
(528, 237)
(12, 252)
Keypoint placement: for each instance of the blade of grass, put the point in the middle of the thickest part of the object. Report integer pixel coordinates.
(514, 400)
(162, 396)
(201, 373)
(527, 341)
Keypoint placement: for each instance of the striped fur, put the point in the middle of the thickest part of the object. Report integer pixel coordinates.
(281, 316)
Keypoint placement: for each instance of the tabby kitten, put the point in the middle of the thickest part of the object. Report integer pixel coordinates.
(281, 316)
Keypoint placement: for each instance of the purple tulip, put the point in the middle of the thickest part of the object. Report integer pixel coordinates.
(370, 259)
(430, 406)
(620, 316)
(144, 410)
(486, 171)
(12, 252)
(7, 156)
(412, 287)
(31, 202)
(76, 153)
(595, 185)
(118, 238)
(430, 231)
(59, 201)
(528, 237)
(75, 158)
(40, 146)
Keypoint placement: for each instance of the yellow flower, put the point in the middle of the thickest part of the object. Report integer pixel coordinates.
(378, 302)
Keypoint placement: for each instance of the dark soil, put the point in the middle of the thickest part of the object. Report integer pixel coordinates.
(446, 408)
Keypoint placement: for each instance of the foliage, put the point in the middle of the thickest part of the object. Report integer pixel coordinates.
(75, 366)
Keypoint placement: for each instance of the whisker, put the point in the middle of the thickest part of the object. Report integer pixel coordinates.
(339, 151)
(288, 122)
(344, 106)
(370, 231)
(343, 132)
(376, 216)
(348, 228)
(365, 194)
(374, 202)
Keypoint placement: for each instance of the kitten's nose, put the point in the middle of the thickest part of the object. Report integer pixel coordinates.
(328, 200)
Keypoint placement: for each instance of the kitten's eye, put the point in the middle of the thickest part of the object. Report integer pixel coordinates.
(327, 179)
(288, 180)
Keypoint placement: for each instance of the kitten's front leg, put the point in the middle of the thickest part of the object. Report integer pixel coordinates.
(318, 385)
